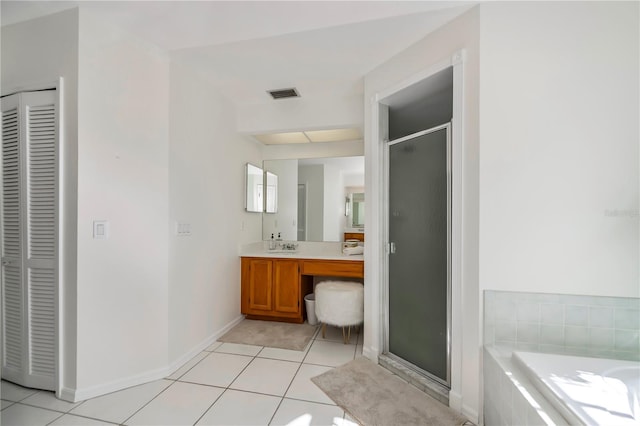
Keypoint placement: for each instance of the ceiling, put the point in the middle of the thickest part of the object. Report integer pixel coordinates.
(322, 48)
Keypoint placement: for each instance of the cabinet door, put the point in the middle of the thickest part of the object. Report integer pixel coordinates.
(287, 286)
(260, 286)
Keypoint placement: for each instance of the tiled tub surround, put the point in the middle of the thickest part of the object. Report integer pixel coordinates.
(605, 327)
(509, 397)
(602, 327)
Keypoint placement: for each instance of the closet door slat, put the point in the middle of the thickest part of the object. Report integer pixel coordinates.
(29, 239)
(42, 238)
(12, 285)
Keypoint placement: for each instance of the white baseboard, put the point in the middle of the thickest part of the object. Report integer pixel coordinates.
(370, 353)
(81, 394)
(182, 360)
(457, 404)
(470, 414)
(66, 394)
(455, 401)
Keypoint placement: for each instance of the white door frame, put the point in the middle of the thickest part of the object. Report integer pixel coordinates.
(376, 268)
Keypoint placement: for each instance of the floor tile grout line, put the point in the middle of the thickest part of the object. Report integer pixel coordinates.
(47, 408)
(61, 414)
(194, 365)
(87, 417)
(10, 404)
(147, 403)
(293, 378)
(243, 370)
(225, 388)
(228, 387)
(40, 408)
(230, 383)
(209, 407)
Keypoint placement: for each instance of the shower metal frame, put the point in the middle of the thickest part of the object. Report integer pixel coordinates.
(389, 250)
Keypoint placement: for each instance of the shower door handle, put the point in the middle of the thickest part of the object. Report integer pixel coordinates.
(392, 248)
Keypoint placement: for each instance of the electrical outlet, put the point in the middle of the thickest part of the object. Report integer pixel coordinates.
(100, 230)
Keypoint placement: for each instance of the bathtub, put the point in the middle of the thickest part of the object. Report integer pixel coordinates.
(589, 391)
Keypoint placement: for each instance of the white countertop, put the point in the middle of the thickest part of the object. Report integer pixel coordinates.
(306, 250)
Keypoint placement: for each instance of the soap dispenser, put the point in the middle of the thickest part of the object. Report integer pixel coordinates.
(272, 243)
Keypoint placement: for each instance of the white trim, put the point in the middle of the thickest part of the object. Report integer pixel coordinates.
(75, 395)
(457, 231)
(375, 269)
(179, 362)
(418, 134)
(34, 87)
(60, 355)
(455, 401)
(456, 58)
(370, 353)
(115, 385)
(471, 414)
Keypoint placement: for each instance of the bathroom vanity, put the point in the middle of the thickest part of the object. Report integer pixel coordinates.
(273, 285)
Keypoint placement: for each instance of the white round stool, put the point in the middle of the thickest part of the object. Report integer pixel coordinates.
(340, 303)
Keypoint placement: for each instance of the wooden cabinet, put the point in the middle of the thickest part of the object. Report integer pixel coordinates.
(354, 236)
(272, 289)
(333, 268)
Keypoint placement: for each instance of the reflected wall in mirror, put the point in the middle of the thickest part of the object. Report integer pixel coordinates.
(355, 216)
(254, 200)
(311, 198)
(271, 203)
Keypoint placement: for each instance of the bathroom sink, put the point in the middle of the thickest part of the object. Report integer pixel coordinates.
(285, 248)
(283, 251)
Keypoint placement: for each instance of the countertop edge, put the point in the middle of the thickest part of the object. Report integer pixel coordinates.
(302, 256)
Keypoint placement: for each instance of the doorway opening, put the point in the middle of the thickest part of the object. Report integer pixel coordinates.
(418, 226)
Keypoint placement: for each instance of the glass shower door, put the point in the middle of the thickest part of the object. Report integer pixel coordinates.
(419, 230)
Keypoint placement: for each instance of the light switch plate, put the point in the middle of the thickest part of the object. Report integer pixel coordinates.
(100, 229)
(183, 229)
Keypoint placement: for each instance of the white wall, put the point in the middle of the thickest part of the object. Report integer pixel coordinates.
(559, 164)
(313, 177)
(333, 204)
(35, 54)
(300, 114)
(285, 220)
(123, 134)
(206, 189)
(314, 150)
(420, 58)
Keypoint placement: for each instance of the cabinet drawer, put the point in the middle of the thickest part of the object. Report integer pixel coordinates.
(341, 268)
(354, 236)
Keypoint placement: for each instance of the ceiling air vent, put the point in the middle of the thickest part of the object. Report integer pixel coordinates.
(284, 93)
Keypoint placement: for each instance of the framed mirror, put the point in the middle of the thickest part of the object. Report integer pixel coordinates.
(254, 200)
(355, 210)
(271, 204)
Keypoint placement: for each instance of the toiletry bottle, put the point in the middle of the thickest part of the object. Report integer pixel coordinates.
(272, 243)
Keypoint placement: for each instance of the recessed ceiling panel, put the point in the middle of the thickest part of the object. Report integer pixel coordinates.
(282, 138)
(333, 135)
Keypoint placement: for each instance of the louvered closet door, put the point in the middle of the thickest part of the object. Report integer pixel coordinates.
(29, 239)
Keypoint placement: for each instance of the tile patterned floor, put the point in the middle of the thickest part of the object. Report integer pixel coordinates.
(226, 384)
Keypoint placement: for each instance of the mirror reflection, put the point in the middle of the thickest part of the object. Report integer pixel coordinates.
(311, 197)
(355, 209)
(254, 200)
(271, 203)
